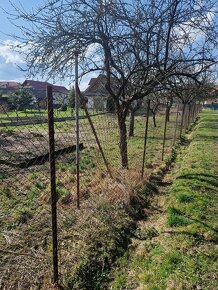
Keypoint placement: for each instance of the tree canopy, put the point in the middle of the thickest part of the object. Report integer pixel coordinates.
(138, 45)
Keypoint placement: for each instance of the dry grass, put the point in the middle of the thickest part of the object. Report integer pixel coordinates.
(90, 238)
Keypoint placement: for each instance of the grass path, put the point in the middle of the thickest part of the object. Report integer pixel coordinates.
(176, 246)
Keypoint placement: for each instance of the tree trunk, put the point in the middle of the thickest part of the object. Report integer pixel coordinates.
(189, 116)
(176, 125)
(168, 113)
(164, 136)
(131, 123)
(194, 111)
(182, 120)
(169, 106)
(154, 119)
(123, 139)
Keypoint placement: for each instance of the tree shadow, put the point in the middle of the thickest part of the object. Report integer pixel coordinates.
(209, 126)
(196, 236)
(197, 221)
(200, 137)
(200, 177)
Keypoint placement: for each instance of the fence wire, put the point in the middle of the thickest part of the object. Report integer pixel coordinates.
(25, 219)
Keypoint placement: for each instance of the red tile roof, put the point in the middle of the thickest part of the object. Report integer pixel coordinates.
(8, 84)
(38, 85)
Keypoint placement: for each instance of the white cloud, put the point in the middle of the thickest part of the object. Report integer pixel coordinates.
(189, 32)
(8, 52)
(10, 59)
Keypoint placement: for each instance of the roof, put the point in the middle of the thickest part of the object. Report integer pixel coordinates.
(60, 89)
(97, 87)
(8, 84)
(38, 85)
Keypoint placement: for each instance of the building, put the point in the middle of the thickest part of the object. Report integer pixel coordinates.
(97, 94)
(38, 89)
(7, 87)
(214, 99)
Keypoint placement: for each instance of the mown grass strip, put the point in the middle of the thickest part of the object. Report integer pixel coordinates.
(183, 254)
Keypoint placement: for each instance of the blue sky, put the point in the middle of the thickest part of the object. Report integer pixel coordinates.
(10, 60)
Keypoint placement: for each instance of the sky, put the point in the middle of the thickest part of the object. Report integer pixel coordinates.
(10, 60)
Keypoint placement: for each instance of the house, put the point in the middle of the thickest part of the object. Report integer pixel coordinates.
(7, 87)
(96, 93)
(213, 100)
(38, 89)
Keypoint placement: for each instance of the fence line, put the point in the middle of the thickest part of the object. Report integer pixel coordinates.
(36, 161)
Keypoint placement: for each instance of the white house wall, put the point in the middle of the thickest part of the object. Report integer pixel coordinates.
(59, 98)
(90, 103)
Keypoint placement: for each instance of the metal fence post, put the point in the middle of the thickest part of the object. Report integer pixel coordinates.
(53, 182)
(145, 139)
(77, 130)
(176, 125)
(182, 120)
(164, 136)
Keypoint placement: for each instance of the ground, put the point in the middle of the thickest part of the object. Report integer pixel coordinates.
(90, 239)
(175, 247)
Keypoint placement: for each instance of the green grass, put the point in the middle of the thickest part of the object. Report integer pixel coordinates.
(107, 131)
(185, 198)
(176, 220)
(26, 196)
(41, 113)
(183, 255)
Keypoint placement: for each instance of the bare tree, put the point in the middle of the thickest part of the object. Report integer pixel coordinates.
(189, 91)
(133, 108)
(137, 45)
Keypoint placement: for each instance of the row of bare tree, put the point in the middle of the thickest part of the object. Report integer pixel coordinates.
(162, 50)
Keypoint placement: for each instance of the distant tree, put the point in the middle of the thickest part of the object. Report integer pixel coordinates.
(3, 101)
(21, 99)
(189, 91)
(2, 98)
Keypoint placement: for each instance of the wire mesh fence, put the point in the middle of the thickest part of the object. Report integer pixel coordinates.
(27, 149)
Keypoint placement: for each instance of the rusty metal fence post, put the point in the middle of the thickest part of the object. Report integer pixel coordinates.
(145, 138)
(182, 120)
(164, 136)
(77, 131)
(176, 126)
(53, 183)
